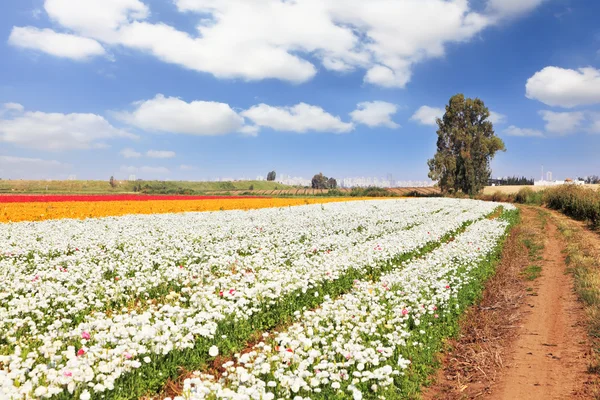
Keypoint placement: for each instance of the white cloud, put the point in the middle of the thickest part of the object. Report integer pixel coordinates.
(562, 123)
(56, 44)
(173, 115)
(300, 118)
(23, 167)
(426, 115)
(160, 154)
(507, 8)
(100, 19)
(130, 153)
(185, 167)
(523, 132)
(145, 170)
(385, 39)
(595, 122)
(56, 131)
(375, 113)
(567, 88)
(16, 107)
(496, 118)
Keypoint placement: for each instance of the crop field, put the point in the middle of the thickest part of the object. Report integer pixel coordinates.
(338, 300)
(40, 208)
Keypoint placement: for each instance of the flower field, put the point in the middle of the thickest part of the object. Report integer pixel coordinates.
(22, 208)
(360, 293)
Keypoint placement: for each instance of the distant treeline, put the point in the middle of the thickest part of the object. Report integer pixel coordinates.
(591, 180)
(512, 181)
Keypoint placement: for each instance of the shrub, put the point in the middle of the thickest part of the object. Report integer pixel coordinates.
(577, 202)
(528, 196)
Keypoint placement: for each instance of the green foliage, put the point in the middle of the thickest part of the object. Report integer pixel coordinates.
(575, 201)
(271, 176)
(532, 272)
(332, 183)
(320, 181)
(465, 146)
(528, 196)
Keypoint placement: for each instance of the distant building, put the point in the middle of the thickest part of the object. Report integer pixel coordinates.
(131, 178)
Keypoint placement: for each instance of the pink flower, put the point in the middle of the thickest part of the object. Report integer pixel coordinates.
(447, 286)
(404, 311)
(85, 335)
(67, 373)
(80, 352)
(231, 291)
(221, 293)
(436, 316)
(127, 355)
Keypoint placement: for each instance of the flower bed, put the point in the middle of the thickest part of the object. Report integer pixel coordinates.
(57, 198)
(87, 302)
(362, 343)
(17, 212)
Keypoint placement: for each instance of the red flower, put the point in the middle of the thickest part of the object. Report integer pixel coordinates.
(231, 291)
(447, 286)
(80, 352)
(221, 293)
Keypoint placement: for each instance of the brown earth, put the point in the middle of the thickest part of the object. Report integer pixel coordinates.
(526, 339)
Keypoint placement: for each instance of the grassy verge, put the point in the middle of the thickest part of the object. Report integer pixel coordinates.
(233, 335)
(583, 261)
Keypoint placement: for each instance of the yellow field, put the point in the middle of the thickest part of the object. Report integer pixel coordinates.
(16, 212)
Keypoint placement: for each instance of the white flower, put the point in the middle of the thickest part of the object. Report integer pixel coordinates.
(213, 351)
(85, 395)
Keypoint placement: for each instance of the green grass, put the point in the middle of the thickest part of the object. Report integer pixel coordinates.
(532, 272)
(103, 187)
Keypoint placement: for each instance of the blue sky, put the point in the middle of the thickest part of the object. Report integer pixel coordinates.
(196, 89)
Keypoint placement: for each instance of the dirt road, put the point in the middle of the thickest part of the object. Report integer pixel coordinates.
(548, 359)
(527, 338)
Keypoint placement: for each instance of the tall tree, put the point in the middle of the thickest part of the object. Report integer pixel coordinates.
(319, 181)
(332, 183)
(112, 182)
(465, 147)
(271, 176)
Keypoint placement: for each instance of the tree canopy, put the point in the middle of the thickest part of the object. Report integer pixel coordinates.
(271, 176)
(466, 145)
(320, 181)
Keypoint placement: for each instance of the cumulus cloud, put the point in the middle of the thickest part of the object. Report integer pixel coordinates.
(426, 115)
(567, 88)
(56, 131)
(562, 123)
(522, 132)
(130, 153)
(160, 154)
(385, 39)
(173, 115)
(57, 44)
(497, 118)
(299, 118)
(375, 113)
(23, 167)
(13, 107)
